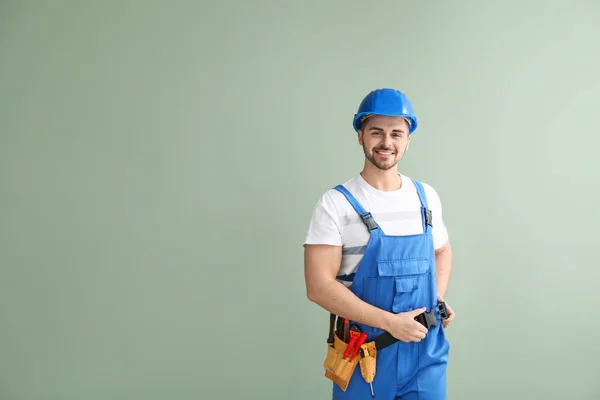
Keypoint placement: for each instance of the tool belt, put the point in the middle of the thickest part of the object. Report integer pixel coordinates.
(346, 348)
(344, 355)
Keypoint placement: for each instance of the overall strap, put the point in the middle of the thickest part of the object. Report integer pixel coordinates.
(366, 216)
(426, 212)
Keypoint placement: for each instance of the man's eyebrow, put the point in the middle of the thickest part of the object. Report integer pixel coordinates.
(381, 129)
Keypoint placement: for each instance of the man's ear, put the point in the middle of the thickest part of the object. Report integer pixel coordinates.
(360, 137)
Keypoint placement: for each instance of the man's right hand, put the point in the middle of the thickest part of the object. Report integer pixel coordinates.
(403, 326)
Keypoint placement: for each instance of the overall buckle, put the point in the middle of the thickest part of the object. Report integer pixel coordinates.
(428, 218)
(369, 221)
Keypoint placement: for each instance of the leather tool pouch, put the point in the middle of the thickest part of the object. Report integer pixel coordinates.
(368, 361)
(337, 369)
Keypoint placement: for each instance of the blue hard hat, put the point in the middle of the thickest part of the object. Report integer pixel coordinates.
(390, 102)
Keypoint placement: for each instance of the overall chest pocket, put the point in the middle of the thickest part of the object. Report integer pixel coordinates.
(402, 285)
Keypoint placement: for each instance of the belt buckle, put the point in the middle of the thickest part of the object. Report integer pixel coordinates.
(427, 319)
(443, 310)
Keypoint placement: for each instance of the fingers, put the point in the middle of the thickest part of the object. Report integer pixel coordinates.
(420, 335)
(421, 328)
(419, 331)
(414, 331)
(415, 337)
(451, 313)
(451, 316)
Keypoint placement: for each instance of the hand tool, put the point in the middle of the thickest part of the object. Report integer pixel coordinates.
(346, 329)
(364, 352)
(332, 318)
(353, 338)
(360, 342)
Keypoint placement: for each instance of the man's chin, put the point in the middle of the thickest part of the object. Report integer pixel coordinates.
(385, 166)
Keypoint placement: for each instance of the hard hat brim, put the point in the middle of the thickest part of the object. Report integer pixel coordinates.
(412, 121)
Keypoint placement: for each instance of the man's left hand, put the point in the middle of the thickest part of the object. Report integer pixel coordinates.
(451, 314)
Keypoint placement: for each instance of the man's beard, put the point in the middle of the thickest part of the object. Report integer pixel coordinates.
(378, 164)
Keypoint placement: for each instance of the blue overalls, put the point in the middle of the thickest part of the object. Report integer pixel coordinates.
(397, 274)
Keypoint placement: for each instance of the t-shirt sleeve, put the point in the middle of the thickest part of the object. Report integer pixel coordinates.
(324, 227)
(439, 230)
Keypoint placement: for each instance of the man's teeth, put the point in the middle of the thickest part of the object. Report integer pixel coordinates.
(385, 152)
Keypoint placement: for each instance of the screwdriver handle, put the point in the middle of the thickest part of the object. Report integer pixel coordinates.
(353, 338)
(360, 342)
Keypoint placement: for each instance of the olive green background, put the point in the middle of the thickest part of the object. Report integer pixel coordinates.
(159, 162)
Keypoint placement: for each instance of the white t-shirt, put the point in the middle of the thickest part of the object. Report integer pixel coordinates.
(335, 222)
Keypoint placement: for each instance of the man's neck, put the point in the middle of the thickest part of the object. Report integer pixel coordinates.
(385, 181)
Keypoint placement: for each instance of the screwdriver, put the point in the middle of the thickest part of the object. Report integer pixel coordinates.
(360, 342)
(353, 338)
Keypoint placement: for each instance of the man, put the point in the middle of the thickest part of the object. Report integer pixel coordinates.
(377, 255)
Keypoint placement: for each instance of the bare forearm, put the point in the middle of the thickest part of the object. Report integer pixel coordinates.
(321, 265)
(443, 260)
(338, 299)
